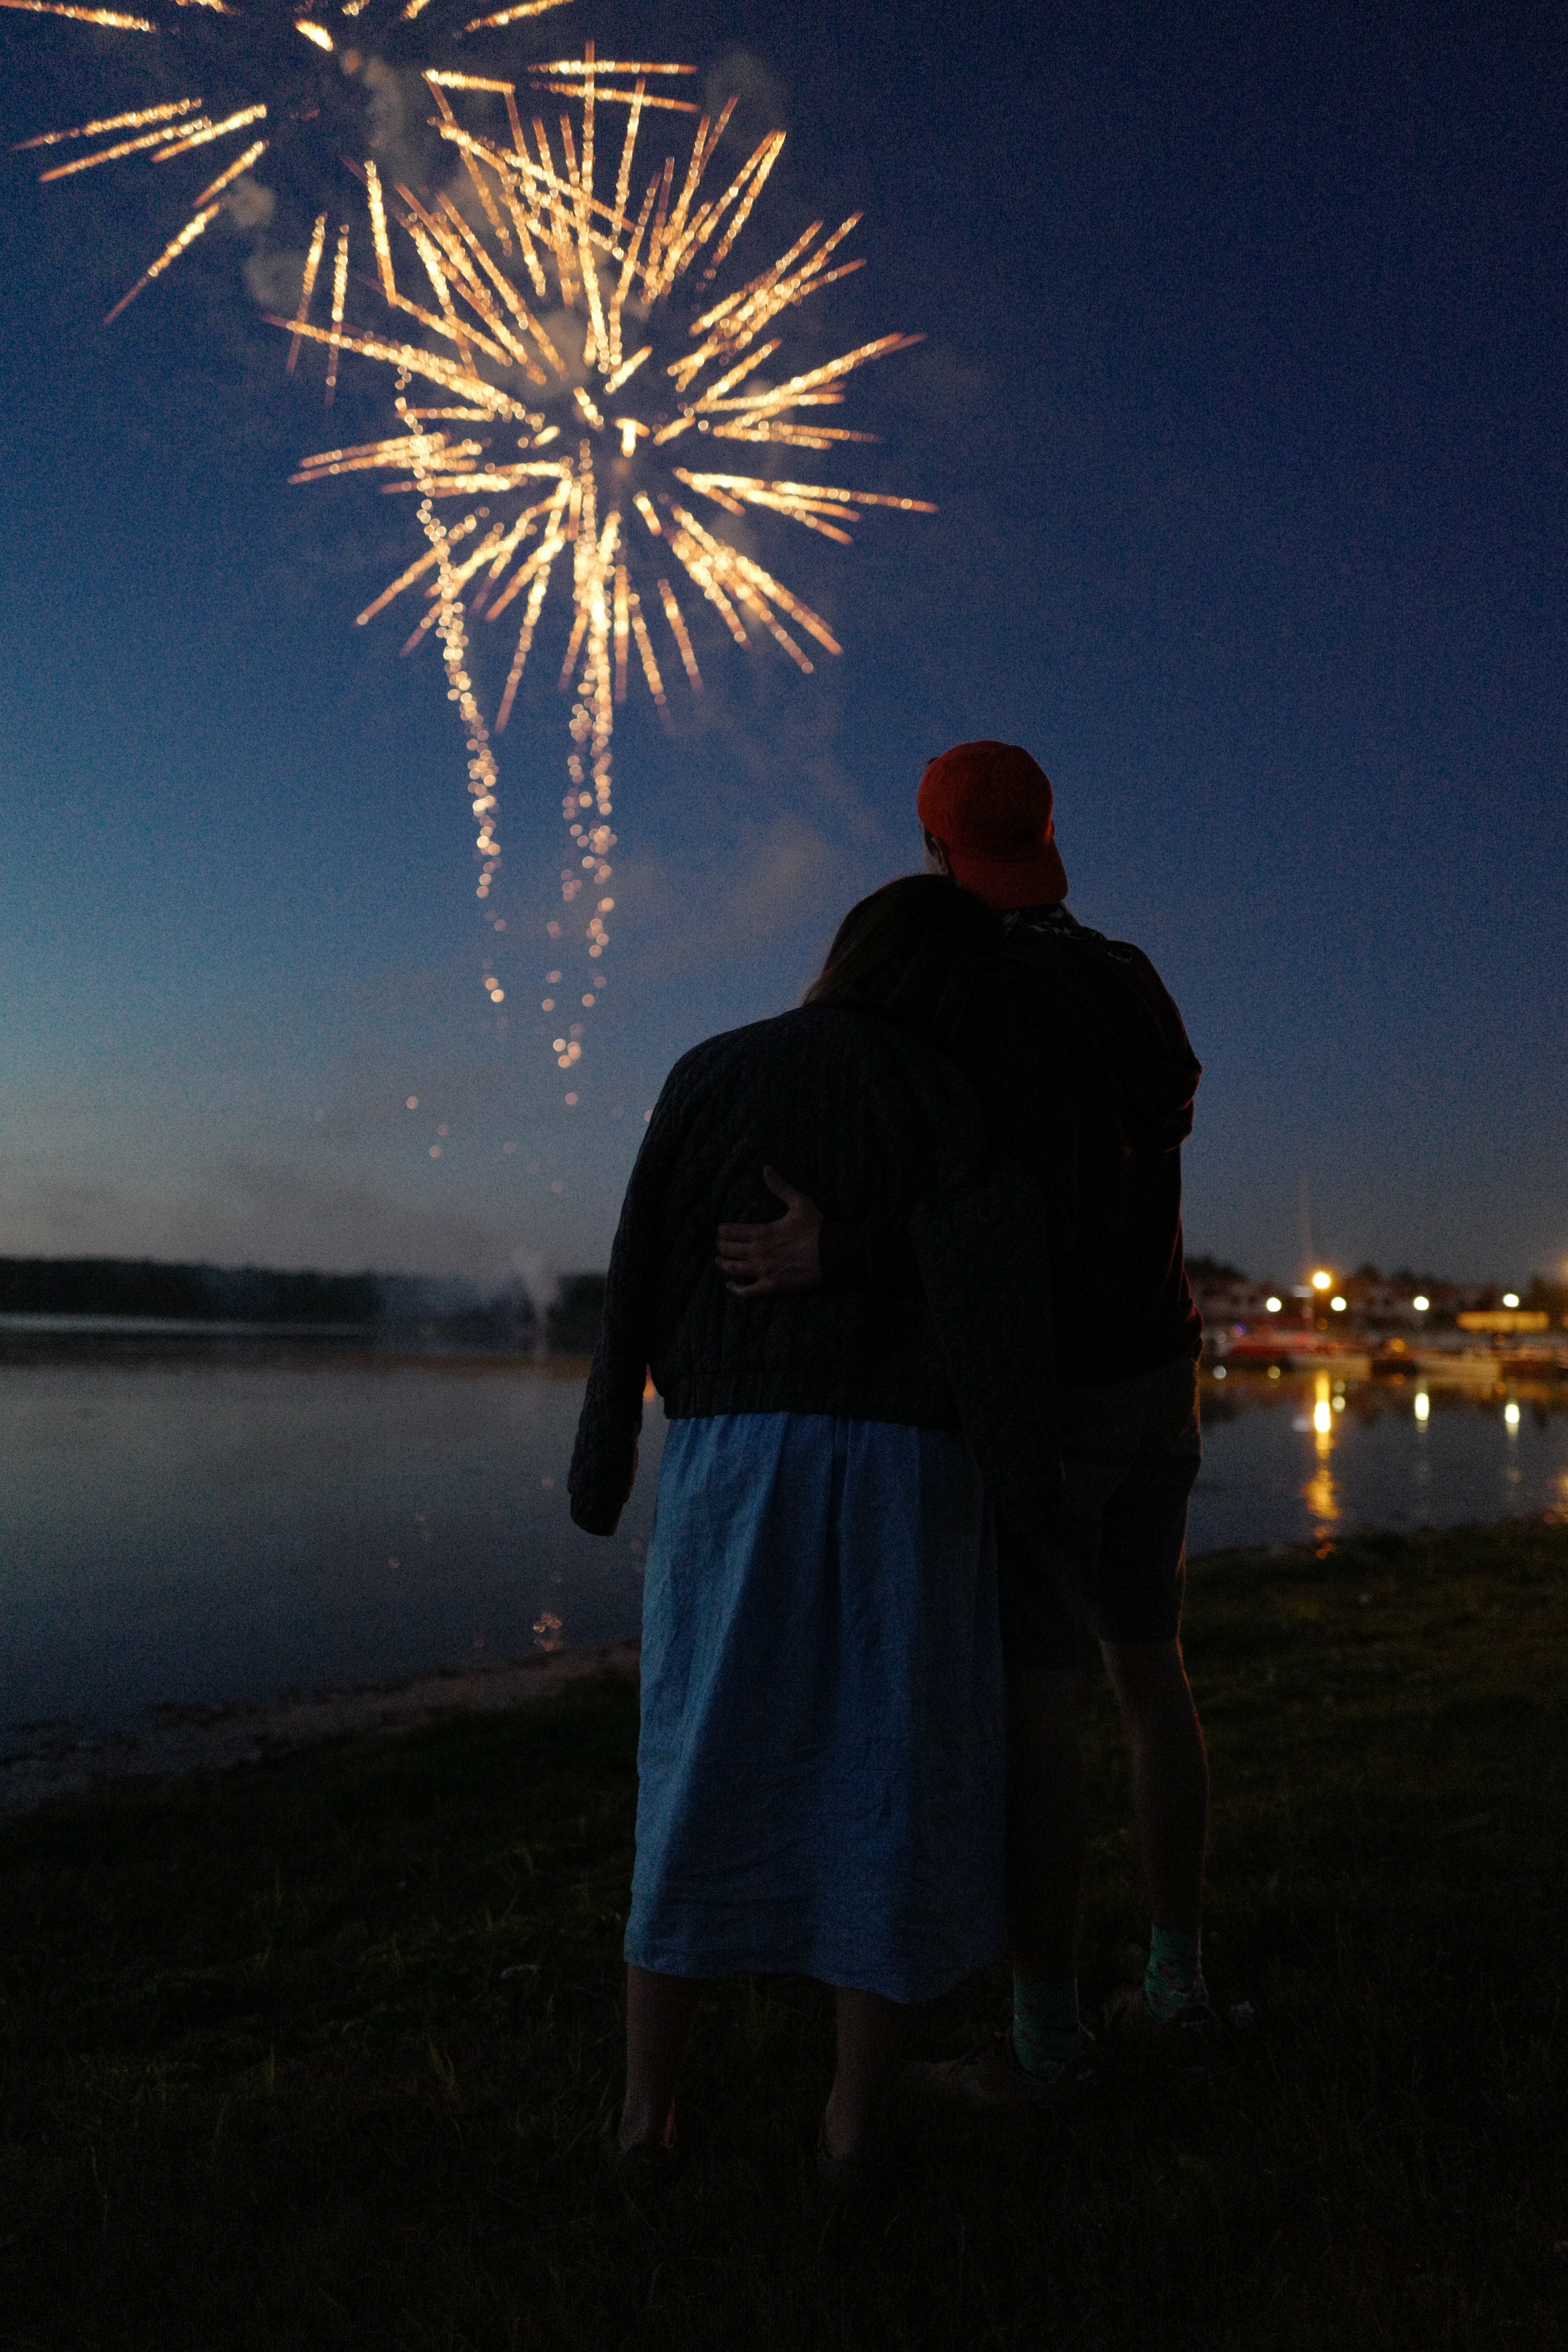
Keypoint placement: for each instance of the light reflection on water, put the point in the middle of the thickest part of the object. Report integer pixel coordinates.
(192, 1524)
(192, 1527)
(1305, 1456)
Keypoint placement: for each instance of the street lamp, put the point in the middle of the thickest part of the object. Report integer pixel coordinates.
(1315, 1294)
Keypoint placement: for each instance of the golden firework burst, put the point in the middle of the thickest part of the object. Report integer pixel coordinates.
(583, 364)
(301, 88)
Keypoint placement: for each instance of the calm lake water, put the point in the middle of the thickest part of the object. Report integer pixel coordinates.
(196, 1524)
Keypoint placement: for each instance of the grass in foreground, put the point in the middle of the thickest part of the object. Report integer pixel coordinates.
(314, 2054)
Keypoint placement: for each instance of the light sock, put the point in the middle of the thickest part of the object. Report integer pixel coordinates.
(1045, 2032)
(1174, 1978)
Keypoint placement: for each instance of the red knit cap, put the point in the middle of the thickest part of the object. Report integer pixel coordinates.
(989, 804)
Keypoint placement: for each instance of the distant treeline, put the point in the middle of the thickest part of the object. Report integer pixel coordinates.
(393, 1306)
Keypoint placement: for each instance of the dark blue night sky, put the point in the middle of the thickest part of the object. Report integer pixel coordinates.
(1243, 403)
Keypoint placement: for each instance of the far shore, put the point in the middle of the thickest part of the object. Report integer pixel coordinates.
(100, 1338)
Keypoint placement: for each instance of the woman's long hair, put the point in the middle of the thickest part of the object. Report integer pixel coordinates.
(914, 951)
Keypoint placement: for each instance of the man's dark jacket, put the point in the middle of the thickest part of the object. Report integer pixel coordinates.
(1079, 1056)
(1085, 1069)
(866, 1118)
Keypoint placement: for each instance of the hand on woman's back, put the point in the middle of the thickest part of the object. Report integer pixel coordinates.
(784, 1255)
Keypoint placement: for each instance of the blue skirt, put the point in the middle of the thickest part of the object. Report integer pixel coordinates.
(820, 1765)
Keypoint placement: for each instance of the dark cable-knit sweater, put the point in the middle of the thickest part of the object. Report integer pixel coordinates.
(864, 1116)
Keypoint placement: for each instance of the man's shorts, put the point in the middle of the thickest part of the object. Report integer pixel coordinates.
(1130, 1452)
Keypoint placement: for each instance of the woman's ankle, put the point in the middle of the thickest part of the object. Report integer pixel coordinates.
(640, 2125)
(847, 2129)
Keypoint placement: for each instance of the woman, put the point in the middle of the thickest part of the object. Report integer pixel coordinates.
(820, 1758)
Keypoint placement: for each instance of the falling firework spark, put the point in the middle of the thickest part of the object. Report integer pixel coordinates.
(307, 92)
(582, 330)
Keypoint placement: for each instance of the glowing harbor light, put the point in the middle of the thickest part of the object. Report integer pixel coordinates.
(1321, 1281)
(1511, 1298)
(1423, 1406)
(1273, 1305)
(1421, 1305)
(1337, 1305)
(1510, 1412)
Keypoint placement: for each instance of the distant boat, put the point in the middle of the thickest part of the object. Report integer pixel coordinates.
(1288, 1346)
(1473, 1361)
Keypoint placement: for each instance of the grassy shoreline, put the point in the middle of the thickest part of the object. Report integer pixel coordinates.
(315, 2054)
(174, 1740)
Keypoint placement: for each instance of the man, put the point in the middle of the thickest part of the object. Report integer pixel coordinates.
(1085, 1069)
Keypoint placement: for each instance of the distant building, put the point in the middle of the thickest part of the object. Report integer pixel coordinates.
(1231, 1298)
(1389, 1303)
(1369, 1302)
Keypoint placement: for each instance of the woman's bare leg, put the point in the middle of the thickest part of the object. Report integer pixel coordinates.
(660, 2011)
(870, 2039)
